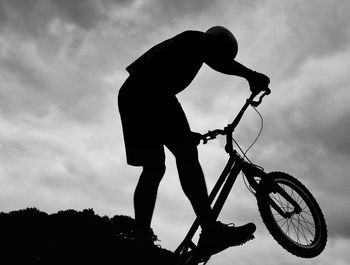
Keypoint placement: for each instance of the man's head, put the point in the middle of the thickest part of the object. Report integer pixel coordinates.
(222, 45)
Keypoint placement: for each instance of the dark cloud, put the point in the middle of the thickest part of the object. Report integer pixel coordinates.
(334, 135)
(41, 64)
(33, 18)
(198, 12)
(84, 13)
(321, 30)
(23, 15)
(338, 219)
(42, 67)
(320, 118)
(24, 72)
(37, 88)
(16, 75)
(173, 9)
(315, 28)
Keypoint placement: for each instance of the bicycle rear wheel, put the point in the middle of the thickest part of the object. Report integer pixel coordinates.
(301, 230)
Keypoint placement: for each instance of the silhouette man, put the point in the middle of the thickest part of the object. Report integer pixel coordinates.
(153, 118)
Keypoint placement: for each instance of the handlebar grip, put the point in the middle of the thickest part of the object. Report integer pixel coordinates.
(210, 135)
(258, 102)
(267, 91)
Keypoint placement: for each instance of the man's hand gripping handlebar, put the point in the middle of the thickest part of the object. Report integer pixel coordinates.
(266, 92)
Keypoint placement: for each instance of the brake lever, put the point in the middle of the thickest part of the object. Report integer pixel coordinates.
(210, 135)
(258, 102)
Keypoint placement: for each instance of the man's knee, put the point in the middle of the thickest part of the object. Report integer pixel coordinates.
(155, 171)
(187, 155)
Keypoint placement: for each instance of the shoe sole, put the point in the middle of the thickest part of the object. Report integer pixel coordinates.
(205, 256)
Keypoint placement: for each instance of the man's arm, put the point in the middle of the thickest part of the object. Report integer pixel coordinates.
(233, 67)
(257, 81)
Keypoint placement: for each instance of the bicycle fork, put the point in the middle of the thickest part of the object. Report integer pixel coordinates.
(267, 186)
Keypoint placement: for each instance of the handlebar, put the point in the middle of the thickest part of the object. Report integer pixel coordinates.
(228, 130)
(258, 102)
(210, 135)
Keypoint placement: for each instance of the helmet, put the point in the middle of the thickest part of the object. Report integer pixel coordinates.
(227, 40)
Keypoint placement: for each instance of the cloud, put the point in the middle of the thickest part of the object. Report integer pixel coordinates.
(34, 17)
(170, 11)
(322, 30)
(57, 87)
(316, 107)
(313, 29)
(56, 166)
(40, 74)
(83, 13)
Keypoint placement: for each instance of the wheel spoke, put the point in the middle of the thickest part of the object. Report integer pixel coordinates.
(295, 230)
(285, 222)
(300, 229)
(288, 227)
(303, 232)
(305, 208)
(306, 228)
(307, 213)
(279, 220)
(308, 222)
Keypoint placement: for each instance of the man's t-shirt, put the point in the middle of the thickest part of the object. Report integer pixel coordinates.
(171, 65)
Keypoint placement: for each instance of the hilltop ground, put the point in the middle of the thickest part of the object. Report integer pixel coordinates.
(30, 236)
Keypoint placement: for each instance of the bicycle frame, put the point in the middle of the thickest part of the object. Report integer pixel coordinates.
(220, 192)
(255, 176)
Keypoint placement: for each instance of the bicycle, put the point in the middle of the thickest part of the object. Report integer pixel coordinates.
(288, 209)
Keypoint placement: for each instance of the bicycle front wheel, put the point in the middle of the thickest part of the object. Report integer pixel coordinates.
(299, 227)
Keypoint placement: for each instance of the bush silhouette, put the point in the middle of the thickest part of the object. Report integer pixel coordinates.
(30, 236)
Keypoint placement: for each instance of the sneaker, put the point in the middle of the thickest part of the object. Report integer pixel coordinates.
(221, 236)
(145, 250)
(149, 253)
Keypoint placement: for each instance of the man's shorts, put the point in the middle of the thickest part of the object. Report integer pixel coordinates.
(149, 122)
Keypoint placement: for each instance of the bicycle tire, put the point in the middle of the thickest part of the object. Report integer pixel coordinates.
(308, 235)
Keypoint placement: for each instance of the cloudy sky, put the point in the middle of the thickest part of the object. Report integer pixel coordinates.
(61, 146)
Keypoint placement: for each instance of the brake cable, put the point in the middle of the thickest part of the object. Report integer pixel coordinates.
(246, 151)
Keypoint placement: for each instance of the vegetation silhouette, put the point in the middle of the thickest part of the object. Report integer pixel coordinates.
(30, 236)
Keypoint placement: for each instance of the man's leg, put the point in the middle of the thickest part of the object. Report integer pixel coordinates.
(193, 181)
(215, 236)
(178, 139)
(145, 197)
